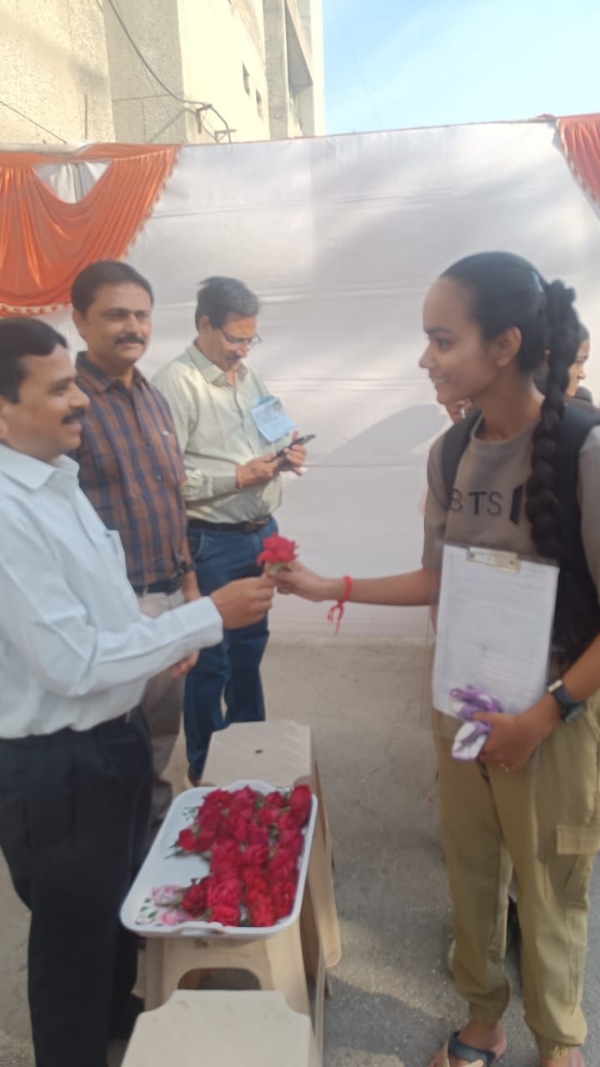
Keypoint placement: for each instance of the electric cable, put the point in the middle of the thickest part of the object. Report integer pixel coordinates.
(34, 123)
(180, 99)
(356, 63)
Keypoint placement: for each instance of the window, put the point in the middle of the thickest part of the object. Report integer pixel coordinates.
(246, 78)
(259, 104)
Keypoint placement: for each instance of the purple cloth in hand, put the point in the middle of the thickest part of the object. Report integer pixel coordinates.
(473, 700)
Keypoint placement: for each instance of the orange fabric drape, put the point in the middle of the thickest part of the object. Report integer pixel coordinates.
(45, 242)
(580, 139)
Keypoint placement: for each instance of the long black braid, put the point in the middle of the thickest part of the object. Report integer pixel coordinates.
(543, 507)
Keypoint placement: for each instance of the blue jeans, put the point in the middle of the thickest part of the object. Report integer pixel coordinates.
(231, 669)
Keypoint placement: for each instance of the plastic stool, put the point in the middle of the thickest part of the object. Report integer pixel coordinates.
(282, 753)
(232, 1029)
(276, 962)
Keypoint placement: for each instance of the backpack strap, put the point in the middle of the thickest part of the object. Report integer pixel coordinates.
(576, 423)
(454, 444)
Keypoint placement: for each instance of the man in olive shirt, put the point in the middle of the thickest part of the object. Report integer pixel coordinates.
(232, 488)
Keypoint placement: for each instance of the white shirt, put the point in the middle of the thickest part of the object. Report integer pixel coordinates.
(216, 433)
(75, 650)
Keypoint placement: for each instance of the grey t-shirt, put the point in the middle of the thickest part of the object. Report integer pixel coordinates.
(488, 500)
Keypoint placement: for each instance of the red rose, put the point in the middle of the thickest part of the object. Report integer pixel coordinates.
(223, 890)
(300, 804)
(252, 878)
(226, 914)
(283, 867)
(205, 840)
(287, 821)
(255, 856)
(268, 815)
(236, 827)
(283, 895)
(261, 912)
(257, 835)
(194, 898)
(186, 840)
(210, 818)
(292, 840)
(276, 799)
(257, 891)
(217, 798)
(225, 857)
(189, 840)
(244, 798)
(277, 549)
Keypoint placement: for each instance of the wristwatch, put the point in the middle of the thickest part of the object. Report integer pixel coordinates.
(569, 707)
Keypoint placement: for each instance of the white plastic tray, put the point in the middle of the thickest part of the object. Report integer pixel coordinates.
(162, 868)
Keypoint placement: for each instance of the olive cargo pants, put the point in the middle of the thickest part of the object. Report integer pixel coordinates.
(545, 822)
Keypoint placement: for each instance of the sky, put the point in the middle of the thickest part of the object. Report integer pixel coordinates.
(397, 64)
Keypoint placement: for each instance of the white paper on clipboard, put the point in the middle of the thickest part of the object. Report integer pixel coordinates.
(494, 626)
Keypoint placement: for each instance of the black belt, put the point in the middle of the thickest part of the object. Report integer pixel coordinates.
(229, 527)
(112, 726)
(167, 585)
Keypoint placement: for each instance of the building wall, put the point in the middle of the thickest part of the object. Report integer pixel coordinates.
(311, 16)
(143, 108)
(293, 39)
(54, 71)
(223, 61)
(185, 71)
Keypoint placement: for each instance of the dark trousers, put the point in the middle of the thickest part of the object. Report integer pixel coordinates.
(229, 671)
(74, 810)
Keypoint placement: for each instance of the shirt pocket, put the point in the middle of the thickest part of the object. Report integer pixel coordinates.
(114, 549)
(170, 460)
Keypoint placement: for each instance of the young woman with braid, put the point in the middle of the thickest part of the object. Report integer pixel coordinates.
(532, 800)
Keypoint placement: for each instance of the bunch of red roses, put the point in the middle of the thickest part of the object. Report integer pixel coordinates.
(253, 843)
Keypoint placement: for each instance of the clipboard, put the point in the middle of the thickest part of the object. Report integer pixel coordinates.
(492, 557)
(494, 626)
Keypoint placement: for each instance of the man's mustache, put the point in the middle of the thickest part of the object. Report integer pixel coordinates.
(75, 416)
(130, 339)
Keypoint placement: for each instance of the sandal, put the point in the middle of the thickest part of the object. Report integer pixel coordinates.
(478, 1057)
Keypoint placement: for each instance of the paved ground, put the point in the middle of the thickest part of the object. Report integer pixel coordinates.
(393, 1001)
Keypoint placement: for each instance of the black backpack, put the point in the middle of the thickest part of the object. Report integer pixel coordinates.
(572, 635)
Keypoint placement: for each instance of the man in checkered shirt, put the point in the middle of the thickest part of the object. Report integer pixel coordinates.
(131, 469)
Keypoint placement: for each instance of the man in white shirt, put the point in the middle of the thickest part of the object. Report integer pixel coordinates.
(229, 429)
(75, 655)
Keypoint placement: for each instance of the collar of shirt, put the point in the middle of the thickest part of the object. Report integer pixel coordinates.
(209, 370)
(97, 379)
(33, 473)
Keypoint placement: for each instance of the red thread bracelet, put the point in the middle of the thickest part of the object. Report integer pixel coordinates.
(336, 613)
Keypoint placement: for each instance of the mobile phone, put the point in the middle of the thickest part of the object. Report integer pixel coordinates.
(299, 441)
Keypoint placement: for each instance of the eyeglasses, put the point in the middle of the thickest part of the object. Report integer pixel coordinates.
(241, 342)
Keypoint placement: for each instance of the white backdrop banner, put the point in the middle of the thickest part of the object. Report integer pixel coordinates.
(341, 237)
